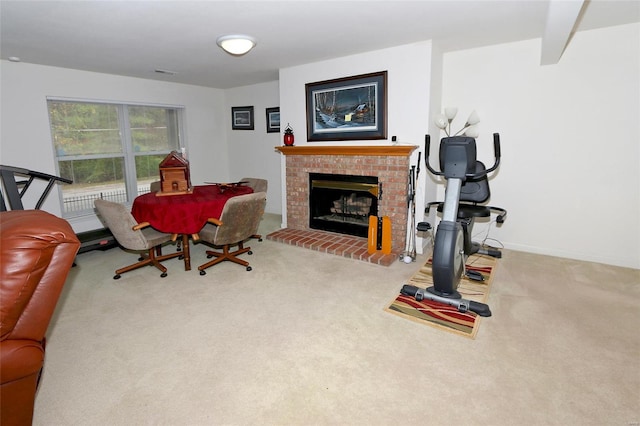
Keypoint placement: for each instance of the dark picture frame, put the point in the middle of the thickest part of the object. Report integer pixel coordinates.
(348, 108)
(242, 118)
(273, 120)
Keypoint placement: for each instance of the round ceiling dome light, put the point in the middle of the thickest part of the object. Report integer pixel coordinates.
(237, 44)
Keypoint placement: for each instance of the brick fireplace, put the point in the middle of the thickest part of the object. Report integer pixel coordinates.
(389, 163)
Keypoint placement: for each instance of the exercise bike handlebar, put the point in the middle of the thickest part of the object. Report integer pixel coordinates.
(496, 153)
(496, 150)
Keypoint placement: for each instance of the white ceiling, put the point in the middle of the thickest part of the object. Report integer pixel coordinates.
(134, 38)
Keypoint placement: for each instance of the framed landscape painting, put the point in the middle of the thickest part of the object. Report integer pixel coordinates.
(273, 120)
(242, 118)
(348, 108)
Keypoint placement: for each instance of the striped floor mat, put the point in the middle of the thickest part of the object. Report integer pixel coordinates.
(443, 316)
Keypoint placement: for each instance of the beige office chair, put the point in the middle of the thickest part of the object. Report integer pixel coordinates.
(258, 185)
(239, 220)
(135, 236)
(155, 186)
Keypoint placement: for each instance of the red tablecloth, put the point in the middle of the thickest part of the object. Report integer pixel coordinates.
(187, 213)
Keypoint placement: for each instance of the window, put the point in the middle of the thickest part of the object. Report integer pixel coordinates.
(110, 151)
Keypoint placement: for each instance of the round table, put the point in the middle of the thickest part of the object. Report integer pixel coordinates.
(184, 214)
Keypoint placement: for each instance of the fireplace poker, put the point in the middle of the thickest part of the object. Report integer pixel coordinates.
(413, 209)
(405, 256)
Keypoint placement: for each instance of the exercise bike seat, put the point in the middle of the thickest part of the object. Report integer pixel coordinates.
(469, 211)
(473, 193)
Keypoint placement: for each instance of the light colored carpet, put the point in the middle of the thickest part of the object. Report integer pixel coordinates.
(303, 340)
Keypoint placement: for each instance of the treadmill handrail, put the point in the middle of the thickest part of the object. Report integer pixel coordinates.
(14, 194)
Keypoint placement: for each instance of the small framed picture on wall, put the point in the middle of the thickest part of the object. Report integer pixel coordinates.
(273, 120)
(242, 118)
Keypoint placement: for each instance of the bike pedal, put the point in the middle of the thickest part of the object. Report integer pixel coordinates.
(474, 275)
(424, 226)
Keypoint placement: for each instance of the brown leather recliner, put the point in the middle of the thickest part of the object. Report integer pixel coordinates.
(37, 250)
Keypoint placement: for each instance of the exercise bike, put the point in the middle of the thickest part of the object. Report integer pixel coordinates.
(467, 182)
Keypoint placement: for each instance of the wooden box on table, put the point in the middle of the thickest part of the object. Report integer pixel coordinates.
(175, 177)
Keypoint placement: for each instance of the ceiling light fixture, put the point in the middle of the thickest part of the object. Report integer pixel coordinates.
(237, 44)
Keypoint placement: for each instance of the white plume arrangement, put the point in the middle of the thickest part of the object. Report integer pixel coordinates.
(470, 128)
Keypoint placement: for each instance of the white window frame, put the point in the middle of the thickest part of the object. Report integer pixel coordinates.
(128, 152)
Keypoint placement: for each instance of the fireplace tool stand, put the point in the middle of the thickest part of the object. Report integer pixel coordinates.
(409, 254)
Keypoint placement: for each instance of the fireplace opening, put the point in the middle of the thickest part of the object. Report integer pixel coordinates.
(342, 203)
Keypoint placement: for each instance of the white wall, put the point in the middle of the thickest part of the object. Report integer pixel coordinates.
(25, 136)
(435, 101)
(570, 176)
(408, 89)
(252, 152)
(570, 173)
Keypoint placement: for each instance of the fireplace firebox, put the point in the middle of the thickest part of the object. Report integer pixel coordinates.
(342, 203)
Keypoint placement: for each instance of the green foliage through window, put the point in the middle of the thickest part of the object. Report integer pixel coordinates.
(110, 148)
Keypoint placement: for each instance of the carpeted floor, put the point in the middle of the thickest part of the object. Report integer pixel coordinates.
(303, 339)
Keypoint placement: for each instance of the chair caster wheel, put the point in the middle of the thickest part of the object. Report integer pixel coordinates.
(260, 239)
(249, 252)
(203, 273)
(248, 268)
(181, 257)
(116, 277)
(162, 275)
(209, 256)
